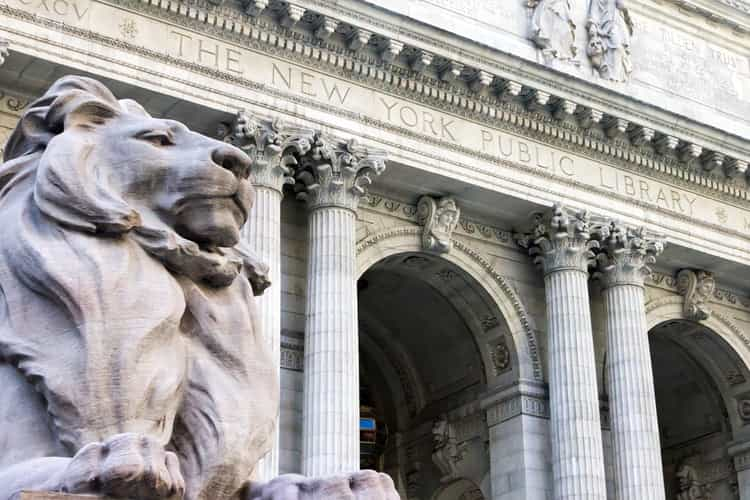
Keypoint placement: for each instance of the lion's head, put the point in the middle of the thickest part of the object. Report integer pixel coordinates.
(102, 165)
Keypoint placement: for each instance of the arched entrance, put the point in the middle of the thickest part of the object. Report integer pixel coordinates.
(430, 339)
(700, 381)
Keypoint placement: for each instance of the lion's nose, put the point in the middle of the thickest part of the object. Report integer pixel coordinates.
(233, 160)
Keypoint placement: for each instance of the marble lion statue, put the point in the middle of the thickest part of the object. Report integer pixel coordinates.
(131, 362)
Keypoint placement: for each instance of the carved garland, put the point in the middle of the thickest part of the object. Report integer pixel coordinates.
(510, 294)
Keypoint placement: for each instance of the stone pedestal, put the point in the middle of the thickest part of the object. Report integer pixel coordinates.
(561, 244)
(332, 177)
(636, 449)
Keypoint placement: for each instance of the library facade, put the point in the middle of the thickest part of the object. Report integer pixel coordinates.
(507, 239)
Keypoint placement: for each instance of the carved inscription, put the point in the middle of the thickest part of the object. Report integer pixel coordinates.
(690, 66)
(421, 127)
(76, 9)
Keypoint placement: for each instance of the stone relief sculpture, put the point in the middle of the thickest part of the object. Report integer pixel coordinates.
(439, 219)
(688, 485)
(697, 288)
(446, 452)
(130, 355)
(610, 29)
(552, 29)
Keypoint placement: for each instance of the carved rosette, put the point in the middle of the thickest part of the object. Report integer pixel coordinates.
(272, 145)
(697, 288)
(334, 173)
(4, 44)
(560, 240)
(439, 218)
(625, 254)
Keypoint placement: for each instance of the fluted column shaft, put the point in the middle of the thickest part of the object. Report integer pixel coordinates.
(623, 265)
(331, 400)
(577, 453)
(263, 234)
(332, 176)
(561, 243)
(632, 403)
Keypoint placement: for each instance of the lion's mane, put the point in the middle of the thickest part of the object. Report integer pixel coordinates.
(72, 251)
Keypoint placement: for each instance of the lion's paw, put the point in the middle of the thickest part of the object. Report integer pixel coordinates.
(362, 485)
(126, 466)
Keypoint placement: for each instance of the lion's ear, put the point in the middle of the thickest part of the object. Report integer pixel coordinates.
(89, 114)
(72, 187)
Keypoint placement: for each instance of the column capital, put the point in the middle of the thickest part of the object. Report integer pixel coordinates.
(270, 144)
(335, 173)
(625, 253)
(559, 240)
(4, 44)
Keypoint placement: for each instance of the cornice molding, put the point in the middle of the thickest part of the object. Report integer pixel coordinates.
(671, 152)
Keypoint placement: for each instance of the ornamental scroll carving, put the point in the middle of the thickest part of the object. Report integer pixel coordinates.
(439, 218)
(697, 287)
(552, 29)
(610, 29)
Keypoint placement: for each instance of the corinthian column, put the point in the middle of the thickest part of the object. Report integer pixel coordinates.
(561, 244)
(264, 142)
(622, 267)
(331, 178)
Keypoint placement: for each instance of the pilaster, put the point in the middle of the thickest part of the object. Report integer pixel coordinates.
(560, 242)
(625, 254)
(519, 442)
(331, 178)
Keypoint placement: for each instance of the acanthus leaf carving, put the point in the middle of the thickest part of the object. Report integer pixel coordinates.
(439, 218)
(560, 239)
(335, 173)
(264, 141)
(696, 287)
(625, 253)
(610, 29)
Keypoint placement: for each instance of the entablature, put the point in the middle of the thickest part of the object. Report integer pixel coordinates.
(459, 82)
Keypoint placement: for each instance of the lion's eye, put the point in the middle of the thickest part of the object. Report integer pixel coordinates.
(157, 138)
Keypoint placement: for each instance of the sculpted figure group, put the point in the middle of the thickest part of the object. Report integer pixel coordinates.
(130, 355)
(609, 28)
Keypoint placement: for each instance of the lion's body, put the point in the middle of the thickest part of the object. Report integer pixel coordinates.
(99, 336)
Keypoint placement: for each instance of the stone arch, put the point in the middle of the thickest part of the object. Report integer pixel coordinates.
(670, 308)
(405, 239)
